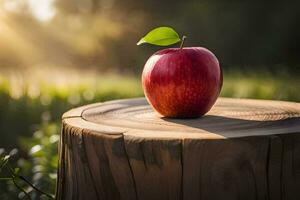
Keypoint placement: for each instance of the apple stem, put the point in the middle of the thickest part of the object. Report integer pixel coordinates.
(182, 41)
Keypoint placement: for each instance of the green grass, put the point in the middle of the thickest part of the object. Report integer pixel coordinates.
(261, 85)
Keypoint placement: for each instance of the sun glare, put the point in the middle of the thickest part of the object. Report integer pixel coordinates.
(43, 10)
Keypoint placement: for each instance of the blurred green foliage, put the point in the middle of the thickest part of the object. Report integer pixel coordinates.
(38, 165)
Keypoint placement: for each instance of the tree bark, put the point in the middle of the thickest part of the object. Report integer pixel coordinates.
(242, 149)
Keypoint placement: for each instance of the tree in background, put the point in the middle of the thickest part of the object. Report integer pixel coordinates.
(103, 33)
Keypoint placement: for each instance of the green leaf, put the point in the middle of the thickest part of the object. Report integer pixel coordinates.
(4, 161)
(6, 158)
(161, 36)
(16, 171)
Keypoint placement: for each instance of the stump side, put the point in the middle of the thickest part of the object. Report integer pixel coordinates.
(106, 155)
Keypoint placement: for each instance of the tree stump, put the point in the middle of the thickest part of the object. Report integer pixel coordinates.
(242, 149)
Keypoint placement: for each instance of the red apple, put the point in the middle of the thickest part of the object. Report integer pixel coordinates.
(182, 82)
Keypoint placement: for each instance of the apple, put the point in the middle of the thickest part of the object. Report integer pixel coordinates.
(182, 82)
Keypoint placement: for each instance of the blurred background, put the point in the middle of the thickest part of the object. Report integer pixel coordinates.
(58, 54)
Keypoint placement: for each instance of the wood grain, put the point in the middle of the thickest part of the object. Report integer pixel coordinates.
(242, 149)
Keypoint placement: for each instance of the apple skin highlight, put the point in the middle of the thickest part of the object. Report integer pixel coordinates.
(182, 82)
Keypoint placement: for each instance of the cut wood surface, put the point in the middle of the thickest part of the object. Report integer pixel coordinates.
(241, 149)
